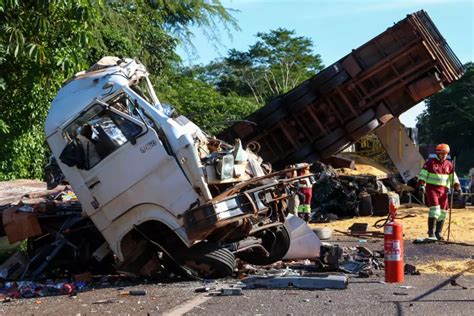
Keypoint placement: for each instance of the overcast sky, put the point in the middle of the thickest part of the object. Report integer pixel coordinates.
(337, 26)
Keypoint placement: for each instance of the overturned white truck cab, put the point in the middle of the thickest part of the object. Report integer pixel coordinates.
(155, 185)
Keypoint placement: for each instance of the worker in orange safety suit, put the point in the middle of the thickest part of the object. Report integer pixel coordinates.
(305, 187)
(435, 178)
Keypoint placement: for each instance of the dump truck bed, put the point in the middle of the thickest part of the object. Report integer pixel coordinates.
(362, 91)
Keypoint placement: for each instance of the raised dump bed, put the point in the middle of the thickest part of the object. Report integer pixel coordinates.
(364, 90)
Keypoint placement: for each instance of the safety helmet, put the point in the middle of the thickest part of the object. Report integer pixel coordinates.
(442, 149)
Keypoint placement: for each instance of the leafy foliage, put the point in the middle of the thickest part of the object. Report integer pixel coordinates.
(205, 106)
(449, 118)
(276, 63)
(41, 42)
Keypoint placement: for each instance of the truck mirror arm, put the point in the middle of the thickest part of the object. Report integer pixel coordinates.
(135, 104)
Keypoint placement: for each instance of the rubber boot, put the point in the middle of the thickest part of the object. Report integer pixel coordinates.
(431, 227)
(439, 230)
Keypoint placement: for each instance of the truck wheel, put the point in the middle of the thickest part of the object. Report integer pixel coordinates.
(332, 84)
(301, 103)
(276, 242)
(360, 121)
(304, 154)
(327, 74)
(329, 139)
(364, 130)
(268, 109)
(336, 147)
(209, 260)
(383, 113)
(298, 92)
(365, 204)
(53, 174)
(273, 118)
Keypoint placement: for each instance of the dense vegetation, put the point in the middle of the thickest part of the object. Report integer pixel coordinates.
(42, 43)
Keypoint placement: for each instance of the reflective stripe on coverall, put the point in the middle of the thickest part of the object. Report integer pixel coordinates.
(438, 176)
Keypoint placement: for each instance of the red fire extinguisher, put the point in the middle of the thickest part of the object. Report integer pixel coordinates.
(393, 248)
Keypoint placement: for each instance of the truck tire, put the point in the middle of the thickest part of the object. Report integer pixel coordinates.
(329, 139)
(273, 118)
(336, 147)
(360, 121)
(332, 84)
(275, 240)
(209, 260)
(301, 103)
(383, 114)
(364, 130)
(305, 154)
(298, 92)
(273, 106)
(327, 74)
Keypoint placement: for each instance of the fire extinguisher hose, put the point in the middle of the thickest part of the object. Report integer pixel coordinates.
(385, 220)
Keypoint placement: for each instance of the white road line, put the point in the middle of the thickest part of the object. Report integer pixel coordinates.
(187, 306)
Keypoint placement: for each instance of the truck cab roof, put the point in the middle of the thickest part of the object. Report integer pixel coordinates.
(103, 79)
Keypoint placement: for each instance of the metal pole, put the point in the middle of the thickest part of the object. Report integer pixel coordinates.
(451, 198)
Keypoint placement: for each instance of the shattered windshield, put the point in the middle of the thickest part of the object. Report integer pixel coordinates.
(143, 88)
(100, 132)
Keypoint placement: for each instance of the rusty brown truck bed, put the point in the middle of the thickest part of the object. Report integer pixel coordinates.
(362, 91)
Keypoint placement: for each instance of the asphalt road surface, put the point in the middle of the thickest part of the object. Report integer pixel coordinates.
(419, 295)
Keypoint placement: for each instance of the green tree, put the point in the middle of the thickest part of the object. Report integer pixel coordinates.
(204, 105)
(276, 63)
(44, 42)
(449, 118)
(41, 42)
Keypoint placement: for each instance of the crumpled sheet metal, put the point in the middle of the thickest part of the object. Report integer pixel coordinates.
(301, 282)
(305, 244)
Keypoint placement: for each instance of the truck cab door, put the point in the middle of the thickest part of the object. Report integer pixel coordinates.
(120, 152)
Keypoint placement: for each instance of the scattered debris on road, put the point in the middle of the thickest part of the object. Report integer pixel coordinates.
(301, 282)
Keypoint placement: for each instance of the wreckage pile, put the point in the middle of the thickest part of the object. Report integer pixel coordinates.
(55, 260)
(337, 195)
(52, 225)
(55, 235)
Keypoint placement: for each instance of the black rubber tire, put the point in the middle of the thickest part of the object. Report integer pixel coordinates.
(364, 130)
(332, 84)
(301, 103)
(219, 261)
(329, 139)
(298, 92)
(306, 153)
(273, 118)
(360, 121)
(275, 240)
(383, 114)
(53, 174)
(335, 147)
(327, 74)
